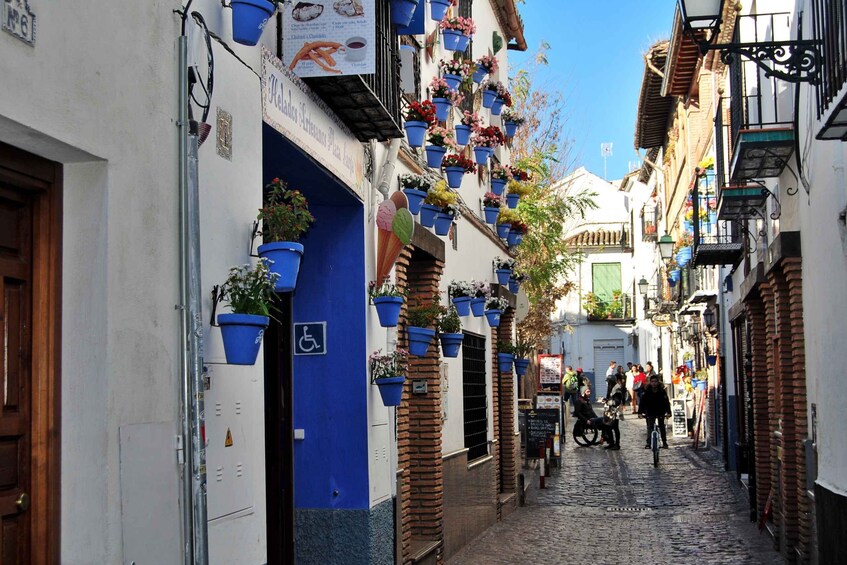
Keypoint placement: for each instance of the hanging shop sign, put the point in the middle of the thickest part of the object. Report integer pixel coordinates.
(662, 320)
(18, 20)
(550, 369)
(290, 107)
(680, 425)
(329, 38)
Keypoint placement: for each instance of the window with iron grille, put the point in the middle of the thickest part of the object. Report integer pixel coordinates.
(410, 79)
(475, 396)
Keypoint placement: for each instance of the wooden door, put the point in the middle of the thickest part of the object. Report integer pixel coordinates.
(30, 275)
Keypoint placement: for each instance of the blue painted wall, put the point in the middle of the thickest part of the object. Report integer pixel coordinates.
(330, 391)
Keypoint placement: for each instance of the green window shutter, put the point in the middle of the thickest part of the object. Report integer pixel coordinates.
(606, 279)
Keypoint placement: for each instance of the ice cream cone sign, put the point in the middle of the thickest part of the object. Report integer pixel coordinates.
(395, 226)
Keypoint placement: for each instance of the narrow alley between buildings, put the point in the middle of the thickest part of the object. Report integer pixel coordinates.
(609, 507)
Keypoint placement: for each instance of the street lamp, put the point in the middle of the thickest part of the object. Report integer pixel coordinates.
(801, 59)
(643, 285)
(666, 244)
(708, 317)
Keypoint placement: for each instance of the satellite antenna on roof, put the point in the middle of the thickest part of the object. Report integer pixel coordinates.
(605, 152)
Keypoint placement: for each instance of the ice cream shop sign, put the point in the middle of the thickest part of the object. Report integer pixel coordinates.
(18, 20)
(290, 108)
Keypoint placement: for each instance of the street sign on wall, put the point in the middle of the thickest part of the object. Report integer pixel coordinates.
(310, 338)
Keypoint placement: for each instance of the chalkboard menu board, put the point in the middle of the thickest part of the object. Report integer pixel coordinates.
(680, 426)
(539, 424)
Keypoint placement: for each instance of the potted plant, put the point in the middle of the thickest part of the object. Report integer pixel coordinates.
(487, 64)
(503, 268)
(454, 71)
(421, 320)
(504, 98)
(481, 292)
(516, 233)
(673, 272)
(505, 219)
(485, 140)
(415, 188)
(511, 122)
(457, 32)
(443, 200)
(440, 140)
(505, 356)
(683, 245)
(460, 293)
(471, 121)
(517, 190)
(456, 166)
(489, 93)
(402, 12)
(249, 18)
(388, 300)
(500, 175)
(285, 217)
(438, 8)
(523, 349)
(688, 361)
(519, 174)
(450, 332)
(419, 117)
(515, 282)
(248, 292)
(494, 307)
(491, 207)
(441, 95)
(388, 372)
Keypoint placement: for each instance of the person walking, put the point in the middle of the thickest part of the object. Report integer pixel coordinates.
(610, 414)
(639, 382)
(654, 405)
(630, 383)
(570, 387)
(611, 377)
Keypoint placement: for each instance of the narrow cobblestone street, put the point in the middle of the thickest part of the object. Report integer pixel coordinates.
(611, 507)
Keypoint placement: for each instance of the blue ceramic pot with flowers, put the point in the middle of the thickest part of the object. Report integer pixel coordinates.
(463, 305)
(415, 199)
(454, 176)
(415, 132)
(434, 155)
(402, 12)
(478, 307)
(497, 186)
(388, 310)
(503, 276)
(491, 214)
(249, 18)
(242, 336)
(453, 81)
(391, 390)
(427, 215)
(511, 129)
(493, 317)
(419, 340)
(442, 108)
(488, 98)
(505, 361)
(442, 223)
(463, 134)
(479, 74)
(497, 106)
(521, 365)
(451, 344)
(438, 9)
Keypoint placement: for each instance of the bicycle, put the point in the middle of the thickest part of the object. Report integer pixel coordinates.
(654, 442)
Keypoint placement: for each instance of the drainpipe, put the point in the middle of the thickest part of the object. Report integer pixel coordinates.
(388, 165)
(193, 461)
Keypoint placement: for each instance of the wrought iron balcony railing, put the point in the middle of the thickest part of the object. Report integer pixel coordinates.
(831, 28)
(618, 308)
(648, 222)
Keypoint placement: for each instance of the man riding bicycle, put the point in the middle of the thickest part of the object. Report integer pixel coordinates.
(655, 405)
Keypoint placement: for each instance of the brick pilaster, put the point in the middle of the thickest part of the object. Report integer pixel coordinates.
(760, 394)
(505, 416)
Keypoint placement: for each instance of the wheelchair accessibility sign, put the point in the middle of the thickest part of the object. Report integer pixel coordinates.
(310, 338)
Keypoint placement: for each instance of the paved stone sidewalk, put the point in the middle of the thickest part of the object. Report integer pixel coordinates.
(609, 507)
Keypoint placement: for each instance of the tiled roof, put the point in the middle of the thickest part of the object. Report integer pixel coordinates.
(651, 125)
(598, 238)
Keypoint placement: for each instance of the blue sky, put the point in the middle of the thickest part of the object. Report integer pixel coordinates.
(596, 61)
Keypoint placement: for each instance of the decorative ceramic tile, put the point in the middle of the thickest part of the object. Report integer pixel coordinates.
(224, 134)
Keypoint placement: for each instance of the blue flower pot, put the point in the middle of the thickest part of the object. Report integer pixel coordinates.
(514, 285)
(453, 81)
(450, 39)
(443, 223)
(402, 11)
(674, 275)
(242, 336)
(454, 176)
(477, 307)
(512, 200)
(512, 238)
(503, 276)
(463, 305)
(249, 18)
(451, 343)
(427, 215)
(505, 361)
(497, 106)
(438, 9)
(286, 257)
(434, 156)
(511, 129)
(493, 317)
(415, 132)
(503, 230)
(498, 186)
(491, 214)
(415, 198)
(419, 340)
(464, 40)
(463, 134)
(442, 108)
(701, 385)
(490, 151)
(711, 360)
(689, 364)
(688, 226)
(488, 98)
(521, 365)
(391, 390)
(479, 74)
(481, 154)
(388, 310)
(683, 256)
(713, 218)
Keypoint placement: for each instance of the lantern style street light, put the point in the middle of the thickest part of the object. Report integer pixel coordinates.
(666, 247)
(797, 60)
(643, 285)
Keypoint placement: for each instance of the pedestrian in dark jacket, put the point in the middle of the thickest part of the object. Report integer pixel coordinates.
(655, 404)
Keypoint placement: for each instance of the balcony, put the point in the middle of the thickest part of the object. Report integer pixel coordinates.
(369, 104)
(714, 243)
(648, 222)
(828, 22)
(618, 309)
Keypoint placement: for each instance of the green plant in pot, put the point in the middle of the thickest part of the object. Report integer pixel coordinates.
(523, 350)
(285, 217)
(422, 317)
(248, 292)
(450, 332)
(388, 372)
(505, 355)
